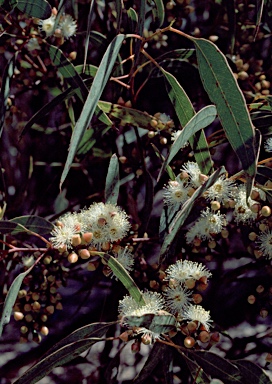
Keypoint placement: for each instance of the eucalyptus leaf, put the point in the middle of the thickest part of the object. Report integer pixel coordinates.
(185, 113)
(68, 71)
(112, 181)
(158, 12)
(35, 8)
(5, 89)
(251, 372)
(11, 298)
(223, 90)
(121, 273)
(34, 223)
(218, 367)
(98, 85)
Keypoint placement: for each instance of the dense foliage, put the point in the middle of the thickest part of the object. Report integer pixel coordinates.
(136, 191)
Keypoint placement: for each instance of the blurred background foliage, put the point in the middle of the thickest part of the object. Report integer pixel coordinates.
(32, 161)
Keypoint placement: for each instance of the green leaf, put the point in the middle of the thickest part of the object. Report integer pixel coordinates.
(121, 273)
(158, 12)
(185, 112)
(34, 223)
(86, 48)
(223, 90)
(56, 359)
(158, 323)
(112, 181)
(185, 211)
(252, 374)
(132, 19)
(90, 330)
(198, 375)
(89, 69)
(5, 89)
(98, 85)
(68, 71)
(35, 8)
(11, 298)
(155, 357)
(201, 120)
(9, 227)
(218, 367)
(259, 6)
(119, 7)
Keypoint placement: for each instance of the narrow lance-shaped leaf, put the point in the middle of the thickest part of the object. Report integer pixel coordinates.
(223, 90)
(132, 19)
(158, 12)
(86, 49)
(185, 211)
(185, 112)
(87, 331)
(218, 367)
(121, 273)
(158, 352)
(11, 298)
(35, 8)
(119, 7)
(68, 71)
(158, 323)
(201, 120)
(98, 85)
(5, 88)
(58, 358)
(252, 374)
(196, 371)
(112, 181)
(34, 223)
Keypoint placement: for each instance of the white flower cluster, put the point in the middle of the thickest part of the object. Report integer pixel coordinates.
(223, 193)
(175, 303)
(106, 223)
(66, 26)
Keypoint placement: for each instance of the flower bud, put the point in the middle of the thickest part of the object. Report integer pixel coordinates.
(18, 316)
(44, 330)
(189, 342)
(204, 336)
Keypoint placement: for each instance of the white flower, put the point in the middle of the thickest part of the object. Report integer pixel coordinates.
(199, 271)
(177, 298)
(221, 190)
(194, 173)
(63, 233)
(47, 25)
(197, 313)
(209, 223)
(153, 303)
(107, 222)
(175, 135)
(68, 26)
(176, 192)
(265, 241)
(242, 213)
(125, 258)
(183, 270)
(268, 145)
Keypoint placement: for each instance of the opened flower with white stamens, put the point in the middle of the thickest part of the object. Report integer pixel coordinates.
(242, 213)
(194, 173)
(265, 243)
(67, 26)
(222, 190)
(48, 25)
(64, 231)
(175, 193)
(177, 298)
(198, 314)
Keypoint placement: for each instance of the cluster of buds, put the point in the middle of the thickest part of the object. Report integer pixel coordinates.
(39, 299)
